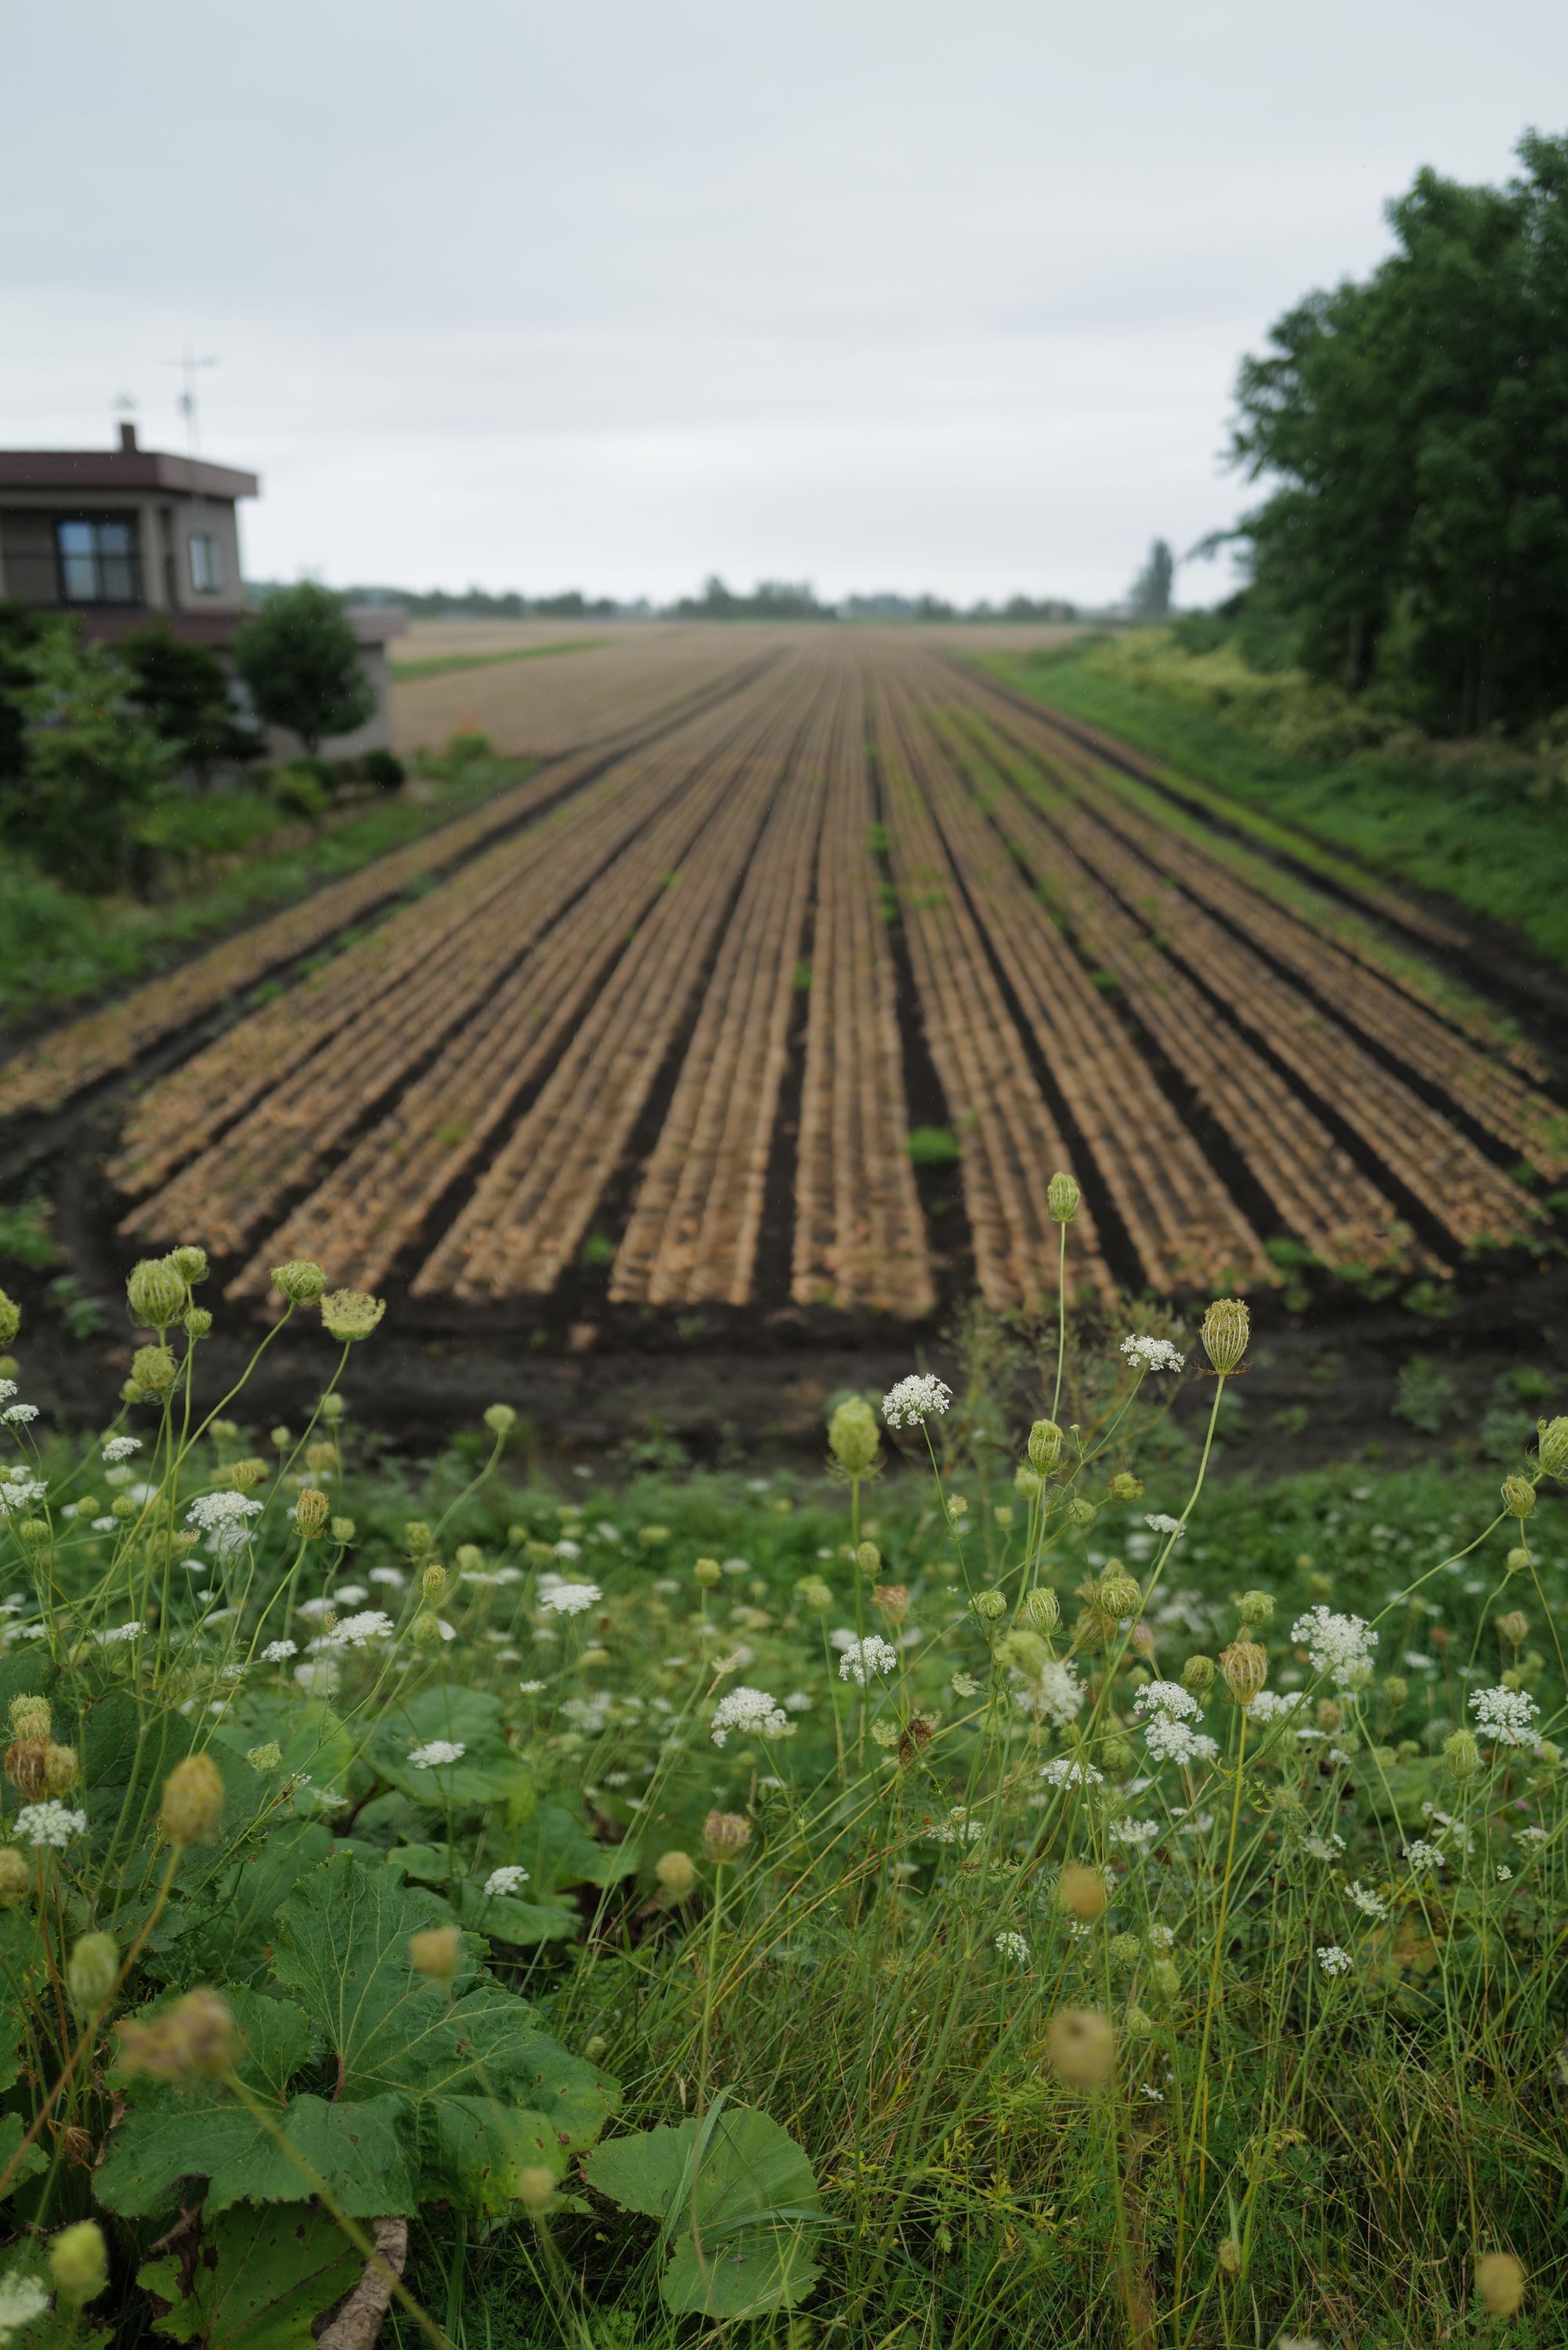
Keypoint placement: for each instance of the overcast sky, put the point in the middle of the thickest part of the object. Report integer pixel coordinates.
(876, 293)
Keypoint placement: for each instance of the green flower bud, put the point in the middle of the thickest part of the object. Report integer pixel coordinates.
(1198, 1675)
(155, 1294)
(1115, 1753)
(1225, 1331)
(1551, 1448)
(190, 1264)
(342, 1530)
(1044, 1447)
(348, 1314)
(10, 1320)
(1397, 1688)
(198, 1323)
(853, 1437)
(1081, 1513)
(92, 1971)
(1119, 1593)
(123, 1508)
(1040, 1610)
(78, 2263)
(1124, 1487)
(418, 1539)
(14, 1882)
(1516, 1562)
(499, 1420)
(1517, 1496)
(1462, 1754)
(991, 1606)
(868, 1559)
(266, 1758)
(707, 1572)
(1063, 1199)
(311, 1511)
(1255, 1607)
(154, 1370)
(1164, 1979)
(299, 1281)
(1124, 1949)
(1139, 2023)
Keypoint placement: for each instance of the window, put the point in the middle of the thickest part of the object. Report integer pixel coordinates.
(98, 562)
(206, 564)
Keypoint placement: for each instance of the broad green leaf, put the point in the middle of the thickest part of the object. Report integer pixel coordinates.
(311, 1735)
(558, 1853)
(735, 2196)
(472, 2148)
(359, 2151)
(259, 2280)
(467, 1717)
(13, 2129)
(231, 1938)
(507, 1918)
(427, 1864)
(345, 1932)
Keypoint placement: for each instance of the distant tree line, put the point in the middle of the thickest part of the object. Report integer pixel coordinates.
(770, 599)
(1415, 427)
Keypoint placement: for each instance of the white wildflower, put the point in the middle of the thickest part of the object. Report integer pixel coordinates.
(121, 1448)
(1505, 1714)
(1053, 1696)
(115, 1633)
(915, 1400)
(1152, 1354)
(22, 2299)
(318, 1676)
(1370, 1904)
(435, 1752)
(1339, 1645)
(50, 1824)
(1013, 1947)
(220, 1513)
(277, 1651)
(389, 1577)
(1160, 1522)
(1061, 1770)
(17, 1415)
(567, 1548)
(1170, 1741)
(1272, 1705)
(1423, 1856)
(1333, 1961)
(19, 1492)
(532, 1689)
(357, 1631)
(1136, 1833)
(797, 1701)
(569, 1598)
(1177, 1704)
(957, 1828)
(862, 1659)
(348, 1594)
(1324, 1847)
(504, 1880)
(751, 1711)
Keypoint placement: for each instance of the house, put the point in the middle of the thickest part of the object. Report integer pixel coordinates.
(121, 537)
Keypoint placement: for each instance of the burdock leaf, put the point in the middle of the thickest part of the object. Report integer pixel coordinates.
(260, 2280)
(358, 2151)
(736, 2198)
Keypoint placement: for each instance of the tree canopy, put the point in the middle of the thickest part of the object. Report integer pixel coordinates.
(299, 659)
(1416, 428)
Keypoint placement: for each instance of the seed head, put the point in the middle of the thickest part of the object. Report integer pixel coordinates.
(1081, 2046)
(433, 1579)
(246, 1475)
(342, 1530)
(1245, 1668)
(425, 1629)
(1118, 1594)
(991, 1606)
(725, 1836)
(196, 1322)
(677, 1873)
(1062, 1198)
(1124, 1949)
(1551, 1447)
(1080, 1513)
(1165, 1977)
(1040, 1610)
(61, 1769)
(1397, 1688)
(536, 2186)
(418, 1539)
(92, 1971)
(311, 1511)
(707, 1572)
(1500, 2282)
(1517, 1496)
(155, 1292)
(1226, 1328)
(853, 1437)
(263, 1759)
(893, 1599)
(1516, 1560)
(868, 1558)
(1124, 1487)
(1255, 1607)
(153, 1370)
(1462, 1754)
(1116, 1751)
(26, 1765)
(1198, 1675)
(500, 1418)
(1082, 1891)
(1138, 2023)
(348, 1314)
(814, 1593)
(14, 1882)
(10, 1319)
(193, 1802)
(30, 1717)
(436, 1952)
(78, 2263)
(1230, 2255)
(195, 2037)
(1513, 1627)
(1044, 1447)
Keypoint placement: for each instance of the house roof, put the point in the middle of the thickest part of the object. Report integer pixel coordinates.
(73, 470)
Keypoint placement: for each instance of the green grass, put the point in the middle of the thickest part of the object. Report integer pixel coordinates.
(410, 672)
(59, 948)
(848, 1909)
(1409, 814)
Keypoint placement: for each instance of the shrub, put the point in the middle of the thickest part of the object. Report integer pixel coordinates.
(299, 788)
(90, 762)
(384, 769)
(300, 660)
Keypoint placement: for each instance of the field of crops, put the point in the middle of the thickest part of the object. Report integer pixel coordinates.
(665, 1016)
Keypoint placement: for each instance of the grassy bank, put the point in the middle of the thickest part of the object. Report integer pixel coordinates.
(1481, 825)
(1007, 1888)
(59, 948)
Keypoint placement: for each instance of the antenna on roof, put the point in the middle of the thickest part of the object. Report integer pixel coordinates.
(189, 365)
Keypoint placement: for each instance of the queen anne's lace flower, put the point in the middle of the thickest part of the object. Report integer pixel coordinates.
(915, 1400)
(1333, 1961)
(22, 2299)
(50, 1824)
(113, 1634)
(218, 1513)
(1160, 1522)
(1505, 1714)
(19, 1492)
(862, 1659)
(505, 1880)
(1055, 1694)
(356, 1631)
(1013, 1947)
(1152, 1354)
(17, 1415)
(1339, 1645)
(1423, 1856)
(1177, 1704)
(1061, 1770)
(558, 1599)
(276, 1652)
(1170, 1741)
(435, 1752)
(1370, 1904)
(121, 1448)
(750, 1710)
(1269, 1705)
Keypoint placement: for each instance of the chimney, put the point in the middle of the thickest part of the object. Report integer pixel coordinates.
(128, 439)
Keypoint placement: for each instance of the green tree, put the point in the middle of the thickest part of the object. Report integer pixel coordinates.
(299, 659)
(1150, 596)
(89, 763)
(21, 630)
(184, 693)
(1417, 429)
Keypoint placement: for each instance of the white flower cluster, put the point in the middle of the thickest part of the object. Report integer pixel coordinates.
(559, 1598)
(22, 2298)
(1339, 1645)
(1169, 1698)
(915, 1400)
(277, 1651)
(1152, 1354)
(1371, 1905)
(1505, 1714)
(50, 1824)
(1061, 1770)
(957, 1828)
(1333, 1961)
(17, 1415)
(1053, 1696)
(215, 1512)
(1170, 1741)
(751, 1711)
(121, 1448)
(357, 1631)
(1013, 1947)
(1423, 1856)
(1272, 1705)
(435, 1752)
(19, 1492)
(862, 1659)
(505, 1880)
(1160, 1522)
